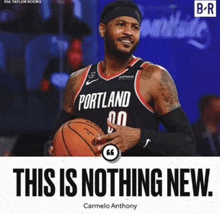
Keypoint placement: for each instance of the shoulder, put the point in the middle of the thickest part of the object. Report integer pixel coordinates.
(160, 86)
(77, 77)
(72, 87)
(157, 76)
(79, 74)
(156, 72)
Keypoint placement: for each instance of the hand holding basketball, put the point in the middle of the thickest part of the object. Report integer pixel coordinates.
(51, 151)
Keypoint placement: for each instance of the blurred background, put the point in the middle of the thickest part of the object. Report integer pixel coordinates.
(41, 44)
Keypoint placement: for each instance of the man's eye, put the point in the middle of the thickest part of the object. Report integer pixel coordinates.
(120, 24)
(136, 27)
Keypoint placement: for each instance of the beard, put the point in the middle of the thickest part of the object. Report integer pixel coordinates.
(111, 49)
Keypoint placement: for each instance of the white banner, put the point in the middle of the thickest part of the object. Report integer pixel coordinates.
(93, 185)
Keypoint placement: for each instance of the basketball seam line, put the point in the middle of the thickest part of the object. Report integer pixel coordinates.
(64, 141)
(97, 129)
(83, 139)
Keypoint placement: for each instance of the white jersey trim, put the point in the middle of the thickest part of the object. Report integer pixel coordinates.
(82, 83)
(147, 106)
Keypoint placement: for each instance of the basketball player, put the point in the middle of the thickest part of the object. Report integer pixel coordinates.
(132, 94)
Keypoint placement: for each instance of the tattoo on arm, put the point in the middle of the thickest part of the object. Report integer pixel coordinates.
(147, 73)
(69, 94)
(169, 92)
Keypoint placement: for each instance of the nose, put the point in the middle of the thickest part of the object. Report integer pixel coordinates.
(128, 30)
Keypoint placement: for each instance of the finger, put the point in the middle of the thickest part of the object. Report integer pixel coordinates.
(51, 151)
(114, 142)
(106, 137)
(110, 124)
(100, 148)
(99, 140)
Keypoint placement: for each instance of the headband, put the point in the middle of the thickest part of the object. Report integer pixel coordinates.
(121, 11)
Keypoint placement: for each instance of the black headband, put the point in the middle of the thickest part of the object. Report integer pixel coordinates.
(121, 11)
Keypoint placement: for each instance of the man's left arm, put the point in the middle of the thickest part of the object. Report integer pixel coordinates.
(163, 93)
(180, 139)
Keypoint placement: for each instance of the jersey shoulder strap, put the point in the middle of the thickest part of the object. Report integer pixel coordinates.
(138, 65)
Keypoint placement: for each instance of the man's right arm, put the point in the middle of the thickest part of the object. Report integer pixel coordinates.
(67, 112)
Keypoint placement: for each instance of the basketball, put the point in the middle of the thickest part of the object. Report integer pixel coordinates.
(77, 138)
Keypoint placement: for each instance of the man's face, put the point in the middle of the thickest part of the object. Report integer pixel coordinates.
(213, 111)
(216, 110)
(122, 36)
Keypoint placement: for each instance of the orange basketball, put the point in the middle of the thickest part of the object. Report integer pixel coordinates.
(77, 138)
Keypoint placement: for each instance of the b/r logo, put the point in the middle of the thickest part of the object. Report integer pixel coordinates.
(205, 8)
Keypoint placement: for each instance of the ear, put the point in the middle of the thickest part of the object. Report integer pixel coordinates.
(102, 30)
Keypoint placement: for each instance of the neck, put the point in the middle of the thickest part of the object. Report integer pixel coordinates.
(112, 65)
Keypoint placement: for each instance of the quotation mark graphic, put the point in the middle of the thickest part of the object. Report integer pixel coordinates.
(111, 152)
